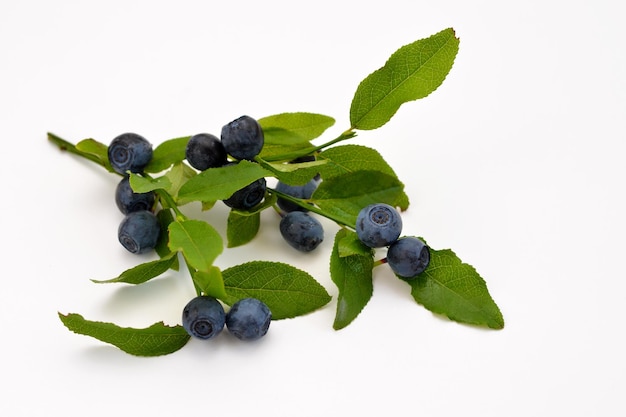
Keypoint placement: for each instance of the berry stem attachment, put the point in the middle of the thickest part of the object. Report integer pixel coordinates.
(380, 262)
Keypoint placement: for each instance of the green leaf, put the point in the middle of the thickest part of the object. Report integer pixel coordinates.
(178, 175)
(165, 217)
(241, 229)
(199, 242)
(210, 282)
(141, 184)
(274, 152)
(345, 195)
(143, 272)
(97, 150)
(349, 244)
(353, 276)
(216, 184)
(288, 292)
(453, 288)
(155, 340)
(350, 158)
(294, 173)
(412, 72)
(294, 128)
(167, 154)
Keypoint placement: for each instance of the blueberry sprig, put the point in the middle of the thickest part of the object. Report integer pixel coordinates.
(330, 180)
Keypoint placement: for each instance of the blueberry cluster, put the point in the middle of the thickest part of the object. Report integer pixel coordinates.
(242, 139)
(299, 229)
(248, 319)
(380, 225)
(140, 229)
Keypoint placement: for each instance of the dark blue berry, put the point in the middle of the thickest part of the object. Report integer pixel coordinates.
(129, 152)
(248, 319)
(299, 191)
(205, 151)
(128, 201)
(301, 231)
(247, 197)
(139, 231)
(378, 225)
(243, 138)
(408, 257)
(203, 317)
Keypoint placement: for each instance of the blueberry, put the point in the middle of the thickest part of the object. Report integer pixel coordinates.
(301, 231)
(247, 197)
(129, 152)
(408, 257)
(139, 231)
(205, 151)
(128, 201)
(243, 138)
(378, 225)
(248, 319)
(203, 317)
(299, 191)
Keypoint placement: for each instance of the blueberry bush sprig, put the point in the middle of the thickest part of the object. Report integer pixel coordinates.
(348, 184)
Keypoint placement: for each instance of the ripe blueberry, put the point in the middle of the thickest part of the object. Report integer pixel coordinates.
(129, 152)
(378, 225)
(205, 151)
(408, 257)
(299, 191)
(248, 197)
(128, 201)
(243, 138)
(203, 317)
(248, 319)
(301, 231)
(139, 231)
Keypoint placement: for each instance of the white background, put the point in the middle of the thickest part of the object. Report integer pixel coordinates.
(515, 162)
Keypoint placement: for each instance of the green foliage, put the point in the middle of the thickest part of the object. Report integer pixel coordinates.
(288, 291)
(162, 248)
(349, 158)
(412, 72)
(178, 175)
(97, 150)
(198, 241)
(352, 176)
(210, 282)
(294, 128)
(141, 184)
(352, 273)
(241, 229)
(143, 272)
(294, 174)
(453, 288)
(155, 340)
(345, 195)
(220, 183)
(168, 153)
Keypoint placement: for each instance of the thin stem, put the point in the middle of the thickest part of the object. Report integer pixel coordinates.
(166, 198)
(71, 148)
(348, 134)
(310, 207)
